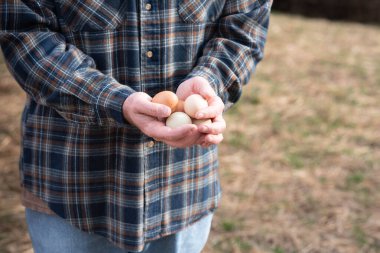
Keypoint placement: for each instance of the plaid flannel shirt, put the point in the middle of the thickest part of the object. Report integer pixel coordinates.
(79, 60)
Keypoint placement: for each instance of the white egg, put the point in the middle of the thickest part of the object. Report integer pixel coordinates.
(194, 103)
(178, 119)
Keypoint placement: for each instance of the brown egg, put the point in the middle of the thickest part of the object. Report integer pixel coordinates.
(167, 98)
(180, 106)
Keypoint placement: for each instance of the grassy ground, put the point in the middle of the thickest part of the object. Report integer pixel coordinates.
(300, 164)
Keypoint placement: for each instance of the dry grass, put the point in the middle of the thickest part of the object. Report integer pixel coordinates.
(300, 165)
(301, 160)
(13, 237)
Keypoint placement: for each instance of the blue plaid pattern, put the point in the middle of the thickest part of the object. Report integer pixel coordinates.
(79, 60)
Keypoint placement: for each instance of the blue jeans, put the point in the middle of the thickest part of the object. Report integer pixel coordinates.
(51, 234)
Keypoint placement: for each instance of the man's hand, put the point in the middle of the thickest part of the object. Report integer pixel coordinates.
(211, 134)
(141, 112)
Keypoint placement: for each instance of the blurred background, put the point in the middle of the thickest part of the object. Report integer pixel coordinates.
(300, 163)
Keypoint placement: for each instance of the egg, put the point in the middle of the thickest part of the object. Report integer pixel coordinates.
(200, 122)
(180, 106)
(167, 98)
(194, 103)
(178, 119)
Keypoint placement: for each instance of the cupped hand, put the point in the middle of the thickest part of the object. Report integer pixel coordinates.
(212, 133)
(139, 110)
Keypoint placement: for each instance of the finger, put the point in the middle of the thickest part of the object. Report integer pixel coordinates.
(202, 87)
(173, 134)
(217, 127)
(153, 109)
(215, 108)
(210, 112)
(195, 85)
(215, 101)
(201, 140)
(205, 145)
(188, 141)
(214, 139)
(157, 129)
(185, 89)
(205, 91)
(150, 125)
(210, 139)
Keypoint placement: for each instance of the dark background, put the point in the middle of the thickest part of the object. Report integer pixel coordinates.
(365, 11)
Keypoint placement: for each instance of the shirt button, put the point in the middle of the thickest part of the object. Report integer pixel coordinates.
(148, 7)
(149, 54)
(150, 144)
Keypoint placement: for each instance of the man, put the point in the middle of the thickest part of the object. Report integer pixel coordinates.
(100, 172)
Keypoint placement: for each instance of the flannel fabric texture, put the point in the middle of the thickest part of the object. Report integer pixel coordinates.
(78, 61)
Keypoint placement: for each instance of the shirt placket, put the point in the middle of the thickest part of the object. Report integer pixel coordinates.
(150, 43)
(150, 67)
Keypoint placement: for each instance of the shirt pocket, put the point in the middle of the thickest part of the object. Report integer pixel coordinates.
(91, 15)
(200, 11)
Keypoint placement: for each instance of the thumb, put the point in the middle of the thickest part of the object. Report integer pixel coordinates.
(155, 110)
(203, 87)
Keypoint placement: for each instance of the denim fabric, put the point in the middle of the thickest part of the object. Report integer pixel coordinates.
(52, 234)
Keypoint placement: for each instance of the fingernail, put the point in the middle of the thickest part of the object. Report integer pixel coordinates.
(167, 111)
(200, 115)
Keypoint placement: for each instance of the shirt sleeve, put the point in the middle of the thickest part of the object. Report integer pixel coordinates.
(54, 73)
(230, 57)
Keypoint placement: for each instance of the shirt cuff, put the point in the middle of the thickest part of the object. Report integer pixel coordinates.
(113, 104)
